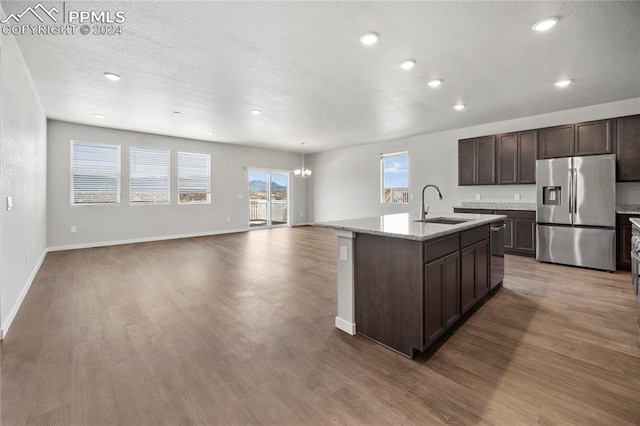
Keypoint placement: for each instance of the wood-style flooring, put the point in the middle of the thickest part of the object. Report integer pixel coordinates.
(239, 329)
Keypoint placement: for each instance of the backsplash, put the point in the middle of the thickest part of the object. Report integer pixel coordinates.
(500, 205)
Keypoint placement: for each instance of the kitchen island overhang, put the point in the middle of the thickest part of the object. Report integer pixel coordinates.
(402, 282)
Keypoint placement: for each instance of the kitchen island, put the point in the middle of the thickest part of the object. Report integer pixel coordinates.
(404, 282)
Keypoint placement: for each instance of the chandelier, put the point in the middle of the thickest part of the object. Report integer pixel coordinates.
(302, 173)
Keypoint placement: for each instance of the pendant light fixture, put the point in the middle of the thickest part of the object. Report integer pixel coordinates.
(302, 173)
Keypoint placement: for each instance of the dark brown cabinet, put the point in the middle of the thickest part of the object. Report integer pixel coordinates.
(519, 229)
(556, 142)
(476, 161)
(519, 232)
(474, 280)
(623, 235)
(441, 295)
(517, 154)
(627, 148)
(593, 138)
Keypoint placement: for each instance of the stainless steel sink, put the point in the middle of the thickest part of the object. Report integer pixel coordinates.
(444, 220)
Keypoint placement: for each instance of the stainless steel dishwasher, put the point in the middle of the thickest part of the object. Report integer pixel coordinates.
(497, 253)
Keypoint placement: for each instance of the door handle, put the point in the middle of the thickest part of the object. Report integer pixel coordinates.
(571, 195)
(497, 228)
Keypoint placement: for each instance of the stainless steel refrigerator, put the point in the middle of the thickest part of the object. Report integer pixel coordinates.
(576, 211)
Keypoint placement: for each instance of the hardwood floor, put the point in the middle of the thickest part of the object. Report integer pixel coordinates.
(239, 329)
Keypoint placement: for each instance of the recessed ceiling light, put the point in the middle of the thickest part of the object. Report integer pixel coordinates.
(545, 24)
(459, 107)
(407, 65)
(176, 113)
(256, 111)
(562, 83)
(434, 83)
(369, 38)
(111, 76)
(210, 132)
(98, 115)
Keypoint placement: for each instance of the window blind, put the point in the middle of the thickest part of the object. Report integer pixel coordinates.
(95, 173)
(149, 175)
(194, 178)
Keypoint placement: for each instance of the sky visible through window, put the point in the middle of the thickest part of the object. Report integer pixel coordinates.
(396, 172)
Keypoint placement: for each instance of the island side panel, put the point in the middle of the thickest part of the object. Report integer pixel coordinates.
(346, 319)
(389, 291)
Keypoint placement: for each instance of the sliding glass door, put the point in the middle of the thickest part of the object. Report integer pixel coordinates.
(268, 199)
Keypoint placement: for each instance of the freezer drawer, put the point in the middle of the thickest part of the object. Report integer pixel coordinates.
(586, 247)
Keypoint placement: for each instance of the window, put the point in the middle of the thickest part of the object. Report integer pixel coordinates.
(95, 173)
(194, 178)
(394, 174)
(149, 175)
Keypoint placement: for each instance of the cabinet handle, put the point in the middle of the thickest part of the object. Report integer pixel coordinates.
(497, 228)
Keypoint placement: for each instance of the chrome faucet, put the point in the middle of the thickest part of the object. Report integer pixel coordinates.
(423, 212)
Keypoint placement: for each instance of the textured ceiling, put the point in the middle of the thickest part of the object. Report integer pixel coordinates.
(302, 64)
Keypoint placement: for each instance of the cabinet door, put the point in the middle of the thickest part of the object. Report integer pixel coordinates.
(507, 158)
(467, 162)
(556, 142)
(486, 160)
(527, 156)
(593, 138)
(508, 234)
(483, 281)
(525, 235)
(467, 279)
(623, 233)
(441, 295)
(451, 285)
(627, 148)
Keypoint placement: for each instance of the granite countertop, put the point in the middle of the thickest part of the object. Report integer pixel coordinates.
(628, 209)
(403, 226)
(499, 205)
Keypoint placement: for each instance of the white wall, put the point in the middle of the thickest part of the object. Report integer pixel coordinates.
(346, 182)
(97, 225)
(23, 153)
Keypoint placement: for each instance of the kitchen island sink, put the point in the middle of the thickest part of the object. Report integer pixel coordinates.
(444, 220)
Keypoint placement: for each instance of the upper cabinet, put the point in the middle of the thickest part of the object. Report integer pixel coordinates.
(627, 148)
(517, 154)
(590, 138)
(476, 161)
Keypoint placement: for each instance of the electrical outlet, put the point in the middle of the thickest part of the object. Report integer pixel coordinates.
(9, 203)
(239, 196)
(74, 229)
(301, 214)
(26, 256)
(517, 197)
(411, 196)
(477, 196)
(228, 218)
(344, 254)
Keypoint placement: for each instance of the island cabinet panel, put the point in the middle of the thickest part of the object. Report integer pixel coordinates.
(389, 291)
(627, 148)
(474, 279)
(593, 138)
(441, 295)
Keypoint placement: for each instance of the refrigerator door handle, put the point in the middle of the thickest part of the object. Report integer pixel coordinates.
(575, 191)
(571, 195)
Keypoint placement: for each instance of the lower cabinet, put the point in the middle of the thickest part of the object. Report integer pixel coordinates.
(623, 235)
(441, 295)
(519, 229)
(474, 281)
(519, 232)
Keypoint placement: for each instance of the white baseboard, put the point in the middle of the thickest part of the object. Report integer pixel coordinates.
(303, 224)
(23, 294)
(144, 240)
(347, 327)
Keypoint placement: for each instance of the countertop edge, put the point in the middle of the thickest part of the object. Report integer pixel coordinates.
(451, 229)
